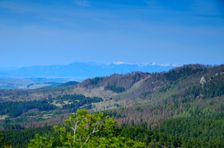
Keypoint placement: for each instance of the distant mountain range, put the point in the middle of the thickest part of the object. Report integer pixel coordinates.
(80, 71)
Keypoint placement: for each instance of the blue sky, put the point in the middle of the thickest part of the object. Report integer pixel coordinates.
(46, 32)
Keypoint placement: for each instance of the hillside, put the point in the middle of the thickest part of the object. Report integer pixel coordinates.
(176, 105)
(138, 96)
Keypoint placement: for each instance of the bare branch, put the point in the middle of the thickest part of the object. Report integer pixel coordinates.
(75, 129)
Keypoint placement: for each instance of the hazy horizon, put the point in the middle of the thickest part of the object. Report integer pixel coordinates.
(108, 63)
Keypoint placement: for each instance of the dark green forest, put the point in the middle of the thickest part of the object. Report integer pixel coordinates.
(196, 131)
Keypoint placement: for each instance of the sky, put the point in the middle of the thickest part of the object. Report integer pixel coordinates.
(51, 32)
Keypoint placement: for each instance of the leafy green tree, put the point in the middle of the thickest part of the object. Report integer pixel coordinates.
(1, 137)
(84, 130)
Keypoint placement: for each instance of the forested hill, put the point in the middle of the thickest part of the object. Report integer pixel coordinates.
(189, 81)
(161, 95)
(184, 106)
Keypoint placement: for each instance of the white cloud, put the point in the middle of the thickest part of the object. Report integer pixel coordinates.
(118, 62)
(145, 64)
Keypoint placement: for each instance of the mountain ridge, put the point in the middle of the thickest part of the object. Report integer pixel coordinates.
(81, 71)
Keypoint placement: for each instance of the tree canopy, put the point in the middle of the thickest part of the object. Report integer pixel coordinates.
(84, 130)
